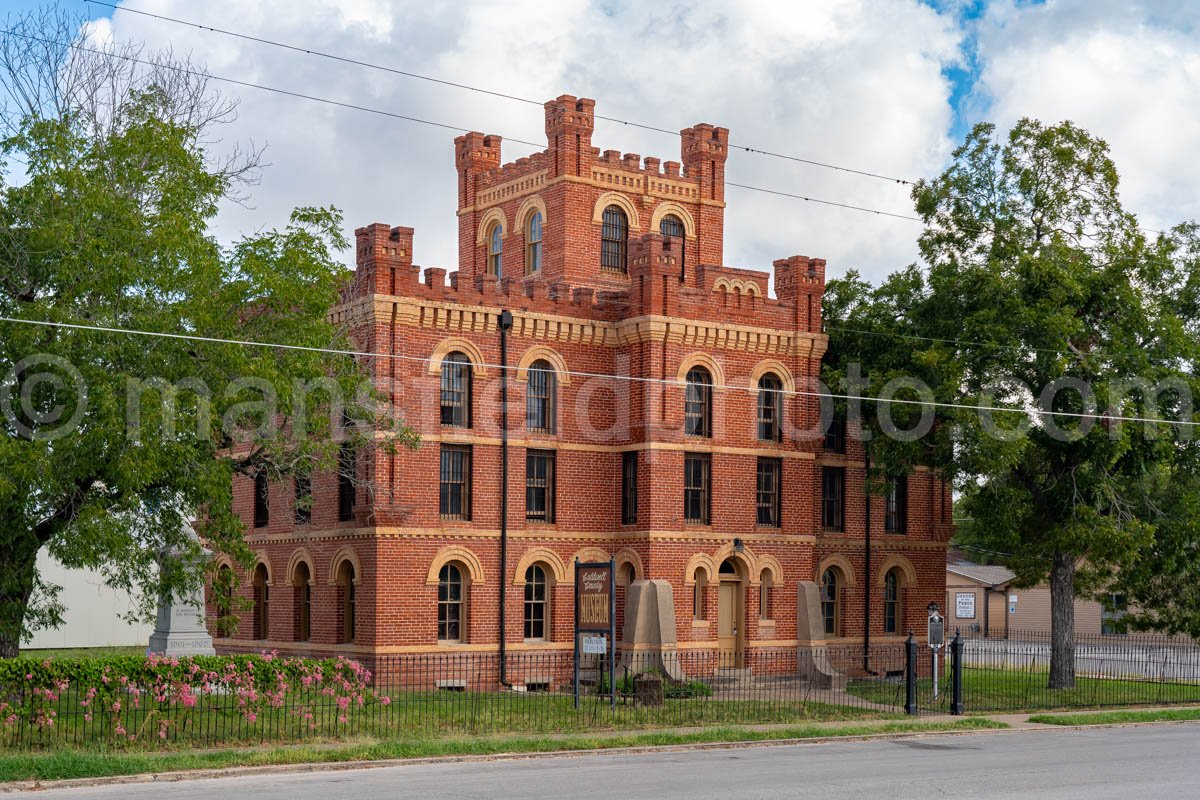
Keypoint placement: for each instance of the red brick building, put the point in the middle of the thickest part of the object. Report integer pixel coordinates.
(698, 465)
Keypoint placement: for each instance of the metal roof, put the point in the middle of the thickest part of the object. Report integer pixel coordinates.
(991, 575)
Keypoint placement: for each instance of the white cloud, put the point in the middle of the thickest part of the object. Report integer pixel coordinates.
(853, 82)
(1127, 72)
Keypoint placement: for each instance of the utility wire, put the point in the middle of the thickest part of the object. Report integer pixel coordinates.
(581, 374)
(394, 115)
(503, 95)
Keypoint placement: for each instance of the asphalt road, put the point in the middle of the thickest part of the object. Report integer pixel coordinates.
(1156, 762)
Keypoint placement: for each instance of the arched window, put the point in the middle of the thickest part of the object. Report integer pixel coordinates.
(262, 603)
(671, 226)
(829, 602)
(302, 602)
(495, 258)
(456, 390)
(536, 602)
(630, 573)
(533, 244)
(222, 594)
(539, 399)
(450, 604)
(348, 595)
(770, 408)
(766, 588)
(698, 592)
(891, 602)
(614, 239)
(697, 409)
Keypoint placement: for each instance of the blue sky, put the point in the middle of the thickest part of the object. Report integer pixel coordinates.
(888, 86)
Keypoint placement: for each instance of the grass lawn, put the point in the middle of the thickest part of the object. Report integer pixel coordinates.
(89, 763)
(1014, 690)
(84, 652)
(1119, 717)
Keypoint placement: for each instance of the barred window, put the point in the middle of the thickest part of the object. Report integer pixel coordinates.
(833, 498)
(697, 469)
(891, 602)
(262, 603)
(348, 594)
(829, 602)
(495, 260)
(614, 239)
(262, 496)
(770, 408)
(456, 390)
(629, 469)
(450, 604)
(533, 244)
(697, 404)
(539, 485)
(302, 598)
(455, 495)
(835, 434)
(895, 513)
(346, 476)
(671, 226)
(304, 499)
(698, 592)
(536, 602)
(769, 492)
(542, 386)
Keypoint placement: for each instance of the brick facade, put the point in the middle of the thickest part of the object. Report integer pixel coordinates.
(673, 307)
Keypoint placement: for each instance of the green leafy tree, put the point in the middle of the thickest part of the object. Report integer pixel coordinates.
(112, 441)
(1039, 293)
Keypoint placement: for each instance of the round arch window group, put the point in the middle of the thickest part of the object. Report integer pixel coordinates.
(832, 589)
(301, 582)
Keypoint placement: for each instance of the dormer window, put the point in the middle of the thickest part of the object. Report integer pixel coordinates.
(495, 251)
(533, 244)
(614, 240)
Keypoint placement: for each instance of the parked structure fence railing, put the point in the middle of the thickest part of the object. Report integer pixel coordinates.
(445, 694)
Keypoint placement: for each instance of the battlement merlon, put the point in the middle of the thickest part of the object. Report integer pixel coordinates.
(381, 252)
(704, 150)
(475, 155)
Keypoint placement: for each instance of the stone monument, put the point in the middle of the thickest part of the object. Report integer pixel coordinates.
(181, 629)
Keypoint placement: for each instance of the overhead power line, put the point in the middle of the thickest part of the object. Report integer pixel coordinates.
(504, 95)
(395, 115)
(582, 374)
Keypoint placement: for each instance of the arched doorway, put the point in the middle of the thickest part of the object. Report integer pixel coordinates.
(731, 614)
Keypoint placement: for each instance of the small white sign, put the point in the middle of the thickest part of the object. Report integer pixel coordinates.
(1012, 598)
(594, 645)
(964, 605)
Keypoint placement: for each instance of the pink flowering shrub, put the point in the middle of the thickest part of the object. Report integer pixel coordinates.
(132, 698)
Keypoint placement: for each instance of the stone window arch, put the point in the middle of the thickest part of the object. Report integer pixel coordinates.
(681, 215)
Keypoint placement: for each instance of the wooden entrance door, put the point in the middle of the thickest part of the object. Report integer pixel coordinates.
(729, 623)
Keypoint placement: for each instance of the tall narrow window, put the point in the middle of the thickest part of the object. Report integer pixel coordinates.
(348, 593)
(829, 602)
(495, 259)
(302, 601)
(769, 491)
(833, 498)
(455, 496)
(450, 604)
(697, 475)
(891, 602)
(614, 239)
(535, 602)
(456, 390)
(629, 499)
(262, 603)
(222, 600)
(539, 485)
(770, 408)
(835, 434)
(698, 592)
(304, 499)
(766, 587)
(533, 244)
(542, 387)
(895, 514)
(262, 504)
(346, 477)
(697, 403)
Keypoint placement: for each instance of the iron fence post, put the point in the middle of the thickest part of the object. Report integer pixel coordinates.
(910, 674)
(956, 665)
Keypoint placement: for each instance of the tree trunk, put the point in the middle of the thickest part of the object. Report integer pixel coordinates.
(1062, 622)
(18, 565)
